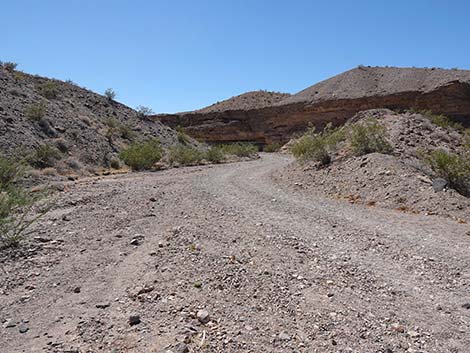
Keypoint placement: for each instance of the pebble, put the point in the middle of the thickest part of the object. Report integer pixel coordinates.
(23, 329)
(103, 305)
(203, 316)
(466, 306)
(77, 290)
(284, 336)
(135, 241)
(10, 323)
(134, 319)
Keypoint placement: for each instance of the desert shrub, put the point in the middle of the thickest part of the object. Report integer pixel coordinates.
(144, 111)
(311, 147)
(367, 137)
(318, 146)
(214, 155)
(36, 111)
(454, 167)
(182, 136)
(114, 163)
(110, 94)
(441, 120)
(185, 155)
(142, 155)
(117, 128)
(48, 90)
(240, 149)
(15, 204)
(272, 147)
(61, 144)
(49, 171)
(44, 156)
(9, 66)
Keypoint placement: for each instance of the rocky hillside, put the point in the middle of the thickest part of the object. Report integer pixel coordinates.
(335, 100)
(245, 101)
(87, 128)
(402, 179)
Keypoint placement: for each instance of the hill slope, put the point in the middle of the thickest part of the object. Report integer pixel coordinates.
(377, 81)
(246, 101)
(87, 127)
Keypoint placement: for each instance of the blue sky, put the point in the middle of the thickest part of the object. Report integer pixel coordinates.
(182, 55)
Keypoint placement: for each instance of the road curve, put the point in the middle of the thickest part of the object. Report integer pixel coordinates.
(275, 269)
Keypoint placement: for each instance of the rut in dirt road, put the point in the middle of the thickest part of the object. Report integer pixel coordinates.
(223, 259)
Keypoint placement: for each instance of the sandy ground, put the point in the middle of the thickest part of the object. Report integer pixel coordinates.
(223, 259)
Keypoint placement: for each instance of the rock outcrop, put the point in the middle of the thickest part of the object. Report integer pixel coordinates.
(334, 100)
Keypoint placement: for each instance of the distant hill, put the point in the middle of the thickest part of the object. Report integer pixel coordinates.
(246, 101)
(365, 81)
(88, 128)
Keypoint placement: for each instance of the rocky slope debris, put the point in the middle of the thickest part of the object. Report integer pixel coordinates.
(402, 179)
(80, 127)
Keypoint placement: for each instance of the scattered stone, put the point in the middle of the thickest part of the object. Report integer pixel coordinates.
(203, 316)
(179, 348)
(466, 306)
(134, 319)
(153, 199)
(439, 184)
(397, 328)
(284, 336)
(77, 290)
(103, 305)
(23, 329)
(135, 241)
(10, 323)
(66, 218)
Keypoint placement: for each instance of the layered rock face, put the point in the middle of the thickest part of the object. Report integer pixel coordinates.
(334, 100)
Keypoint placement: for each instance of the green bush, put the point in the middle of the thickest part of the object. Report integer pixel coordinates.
(240, 149)
(183, 138)
(455, 168)
(142, 155)
(36, 111)
(317, 147)
(117, 128)
(110, 94)
(214, 155)
(272, 147)
(185, 155)
(48, 90)
(15, 204)
(311, 147)
(44, 156)
(367, 137)
(144, 111)
(9, 66)
(441, 120)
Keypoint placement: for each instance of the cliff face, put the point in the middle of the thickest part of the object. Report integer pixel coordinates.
(293, 115)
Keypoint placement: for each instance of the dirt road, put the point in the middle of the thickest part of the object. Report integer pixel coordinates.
(222, 259)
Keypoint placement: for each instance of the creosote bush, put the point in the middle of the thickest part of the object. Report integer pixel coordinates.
(48, 90)
(272, 147)
(15, 204)
(318, 146)
(44, 156)
(240, 149)
(185, 155)
(110, 94)
(368, 137)
(214, 155)
(183, 138)
(9, 66)
(117, 128)
(453, 167)
(441, 120)
(142, 155)
(144, 111)
(36, 111)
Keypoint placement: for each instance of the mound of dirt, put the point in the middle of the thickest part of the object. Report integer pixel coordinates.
(35, 110)
(400, 181)
(377, 81)
(246, 101)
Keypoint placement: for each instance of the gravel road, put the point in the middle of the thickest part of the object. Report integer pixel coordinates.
(223, 259)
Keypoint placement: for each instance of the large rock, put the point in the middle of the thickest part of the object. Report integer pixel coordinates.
(334, 100)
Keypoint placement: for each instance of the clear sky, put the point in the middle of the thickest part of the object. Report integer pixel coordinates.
(178, 55)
